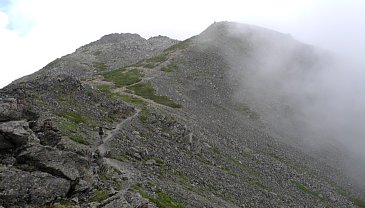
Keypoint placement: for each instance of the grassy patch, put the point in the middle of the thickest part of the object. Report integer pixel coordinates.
(99, 66)
(180, 45)
(121, 158)
(105, 88)
(229, 171)
(304, 188)
(162, 200)
(97, 53)
(216, 151)
(52, 64)
(232, 160)
(121, 78)
(358, 202)
(130, 99)
(169, 68)
(149, 65)
(79, 139)
(100, 195)
(72, 116)
(68, 126)
(144, 115)
(147, 91)
(159, 161)
(158, 59)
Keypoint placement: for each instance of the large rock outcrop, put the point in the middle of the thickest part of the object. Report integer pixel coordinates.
(64, 164)
(19, 188)
(18, 133)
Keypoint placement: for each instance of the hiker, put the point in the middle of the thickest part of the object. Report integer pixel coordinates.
(101, 132)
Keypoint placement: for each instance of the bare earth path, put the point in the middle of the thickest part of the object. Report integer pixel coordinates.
(102, 147)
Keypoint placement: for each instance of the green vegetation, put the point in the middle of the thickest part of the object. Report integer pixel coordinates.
(79, 139)
(105, 88)
(121, 78)
(358, 202)
(169, 68)
(305, 189)
(52, 64)
(159, 161)
(122, 158)
(130, 99)
(181, 45)
(99, 66)
(216, 151)
(144, 115)
(162, 200)
(149, 65)
(229, 171)
(72, 116)
(126, 98)
(232, 160)
(68, 126)
(100, 195)
(147, 91)
(158, 59)
(97, 53)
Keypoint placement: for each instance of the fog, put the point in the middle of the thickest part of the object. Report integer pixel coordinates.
(309, 97)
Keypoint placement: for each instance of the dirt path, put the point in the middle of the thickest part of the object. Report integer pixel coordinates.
(110, 134)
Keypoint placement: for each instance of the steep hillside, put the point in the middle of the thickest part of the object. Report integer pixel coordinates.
(182, 127)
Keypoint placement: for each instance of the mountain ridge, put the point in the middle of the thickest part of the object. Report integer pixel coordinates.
(184, 139)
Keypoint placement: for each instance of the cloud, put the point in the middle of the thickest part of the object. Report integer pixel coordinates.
(39, 31)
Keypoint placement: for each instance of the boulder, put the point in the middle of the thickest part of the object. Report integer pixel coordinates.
(49, 138)
(5, 144)
(9, 109)
(128, 198)
(20, 188)
(65, 164)
(18, 133)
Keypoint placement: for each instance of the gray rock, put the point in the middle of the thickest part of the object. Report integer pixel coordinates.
(151, 162)
(20, 188)
(18, 133)
(49, 138)
(9, 109)
(128, 199)
(5, 144)
(56, 162)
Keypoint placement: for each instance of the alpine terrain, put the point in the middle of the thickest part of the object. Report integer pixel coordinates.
(210, 121)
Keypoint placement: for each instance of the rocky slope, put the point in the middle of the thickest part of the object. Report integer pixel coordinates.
(176, 135)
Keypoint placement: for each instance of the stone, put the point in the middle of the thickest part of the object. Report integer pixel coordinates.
(9, 109)
(5, 144)
(20, 188)
(151, 162)
(56, 162)
(16, 132)
(135, 132)
(49, 138)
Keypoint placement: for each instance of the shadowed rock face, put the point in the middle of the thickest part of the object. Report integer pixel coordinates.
(174, 132)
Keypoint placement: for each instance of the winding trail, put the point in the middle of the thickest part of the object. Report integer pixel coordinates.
(102, 147)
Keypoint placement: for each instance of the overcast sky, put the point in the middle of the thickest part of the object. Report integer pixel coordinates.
(35, 32)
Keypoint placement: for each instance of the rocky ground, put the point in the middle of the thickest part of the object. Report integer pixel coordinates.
(174, 135)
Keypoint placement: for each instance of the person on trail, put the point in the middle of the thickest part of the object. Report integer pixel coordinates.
(101, 132)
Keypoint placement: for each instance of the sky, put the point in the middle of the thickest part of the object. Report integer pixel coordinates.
(35, 32)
